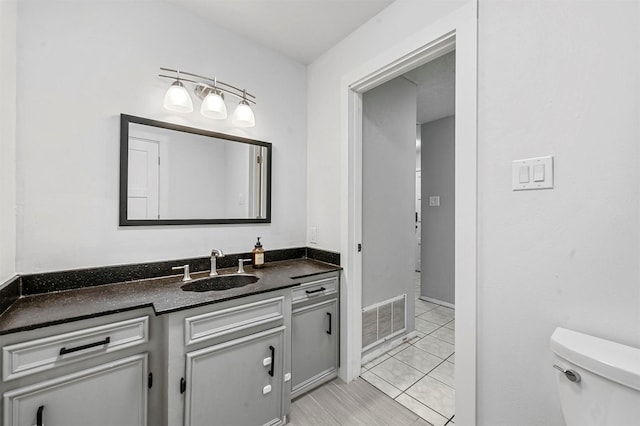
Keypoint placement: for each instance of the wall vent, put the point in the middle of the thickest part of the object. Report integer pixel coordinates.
(383, 320)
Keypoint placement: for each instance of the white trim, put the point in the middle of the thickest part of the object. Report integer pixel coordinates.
(387, 346)
(458, 30)
(438, 302)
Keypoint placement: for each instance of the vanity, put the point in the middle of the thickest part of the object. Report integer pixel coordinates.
(147, 352)
(140, 344)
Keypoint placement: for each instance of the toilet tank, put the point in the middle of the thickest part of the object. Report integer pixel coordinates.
(608, 392)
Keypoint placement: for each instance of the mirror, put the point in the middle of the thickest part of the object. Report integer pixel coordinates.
(178, 175)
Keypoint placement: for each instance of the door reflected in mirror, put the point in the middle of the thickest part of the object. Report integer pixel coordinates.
(177, 175)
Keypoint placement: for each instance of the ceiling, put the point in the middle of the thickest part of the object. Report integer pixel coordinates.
(300, 29)
(436, 88)
(304, 29)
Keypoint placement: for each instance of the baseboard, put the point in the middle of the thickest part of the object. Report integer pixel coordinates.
(439, 302)
(387, 346)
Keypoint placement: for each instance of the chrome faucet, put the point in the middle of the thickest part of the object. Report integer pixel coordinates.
(241, 263)
(185, 270)
(215, 253)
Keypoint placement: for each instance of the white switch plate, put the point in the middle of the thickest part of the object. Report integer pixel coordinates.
(541, 178)
(313, 234)
(434, 201)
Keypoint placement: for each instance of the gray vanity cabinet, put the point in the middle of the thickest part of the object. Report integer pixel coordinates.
(314, 333)
(227, 362)
(236, 382)
(79, 399)
(83, 372)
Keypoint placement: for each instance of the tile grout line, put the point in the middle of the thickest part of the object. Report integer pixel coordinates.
(424, 405)
(423, 375)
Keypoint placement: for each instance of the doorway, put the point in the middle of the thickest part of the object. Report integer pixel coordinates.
(458, 31)
(414, 365)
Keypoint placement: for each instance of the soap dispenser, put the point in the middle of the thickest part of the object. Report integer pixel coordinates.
(258, 255)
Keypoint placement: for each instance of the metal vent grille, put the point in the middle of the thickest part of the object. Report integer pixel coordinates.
(383, 321)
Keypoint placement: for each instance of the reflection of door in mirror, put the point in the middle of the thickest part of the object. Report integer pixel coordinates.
(192, 177)
(142, 200)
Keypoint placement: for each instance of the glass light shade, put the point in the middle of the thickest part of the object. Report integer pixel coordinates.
(177, 98)
(243, 115)
(213, 106)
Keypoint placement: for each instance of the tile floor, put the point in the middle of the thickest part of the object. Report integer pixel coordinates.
(419, 373)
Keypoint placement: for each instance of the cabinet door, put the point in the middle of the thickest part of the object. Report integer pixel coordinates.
(239, 382)
(112, 394)
(314, 334)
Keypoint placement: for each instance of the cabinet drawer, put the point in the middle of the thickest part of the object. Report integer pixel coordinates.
(34, 356)
(314, 289)
(219, 323)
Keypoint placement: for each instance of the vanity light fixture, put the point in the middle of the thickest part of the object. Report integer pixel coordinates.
(177, 98)
(243, 114)
(212, 92)
(213, 105)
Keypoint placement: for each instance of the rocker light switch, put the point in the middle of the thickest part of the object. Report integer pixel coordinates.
(524, 174)
(538, 173)
(532, 173)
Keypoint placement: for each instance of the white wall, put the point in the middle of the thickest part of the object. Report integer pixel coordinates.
(399, 20)
(562, 79)
(437, 279)
(81, 64)
(558, 78)
(7, 139)
(388, 194)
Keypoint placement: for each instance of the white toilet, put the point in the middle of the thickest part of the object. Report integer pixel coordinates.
(598, 380)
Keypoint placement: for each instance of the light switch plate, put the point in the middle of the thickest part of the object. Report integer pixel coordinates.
(434, 201)
(542, 168)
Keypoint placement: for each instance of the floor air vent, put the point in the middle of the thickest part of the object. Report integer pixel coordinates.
(383, 320)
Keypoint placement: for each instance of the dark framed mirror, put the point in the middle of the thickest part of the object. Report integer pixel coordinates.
(178, 175)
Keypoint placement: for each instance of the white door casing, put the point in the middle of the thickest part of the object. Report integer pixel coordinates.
(456, 31)
(418, 218)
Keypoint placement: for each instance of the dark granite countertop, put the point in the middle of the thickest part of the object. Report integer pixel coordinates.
(162, 294)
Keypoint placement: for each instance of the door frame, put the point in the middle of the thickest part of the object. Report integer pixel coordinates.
(457, 31)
